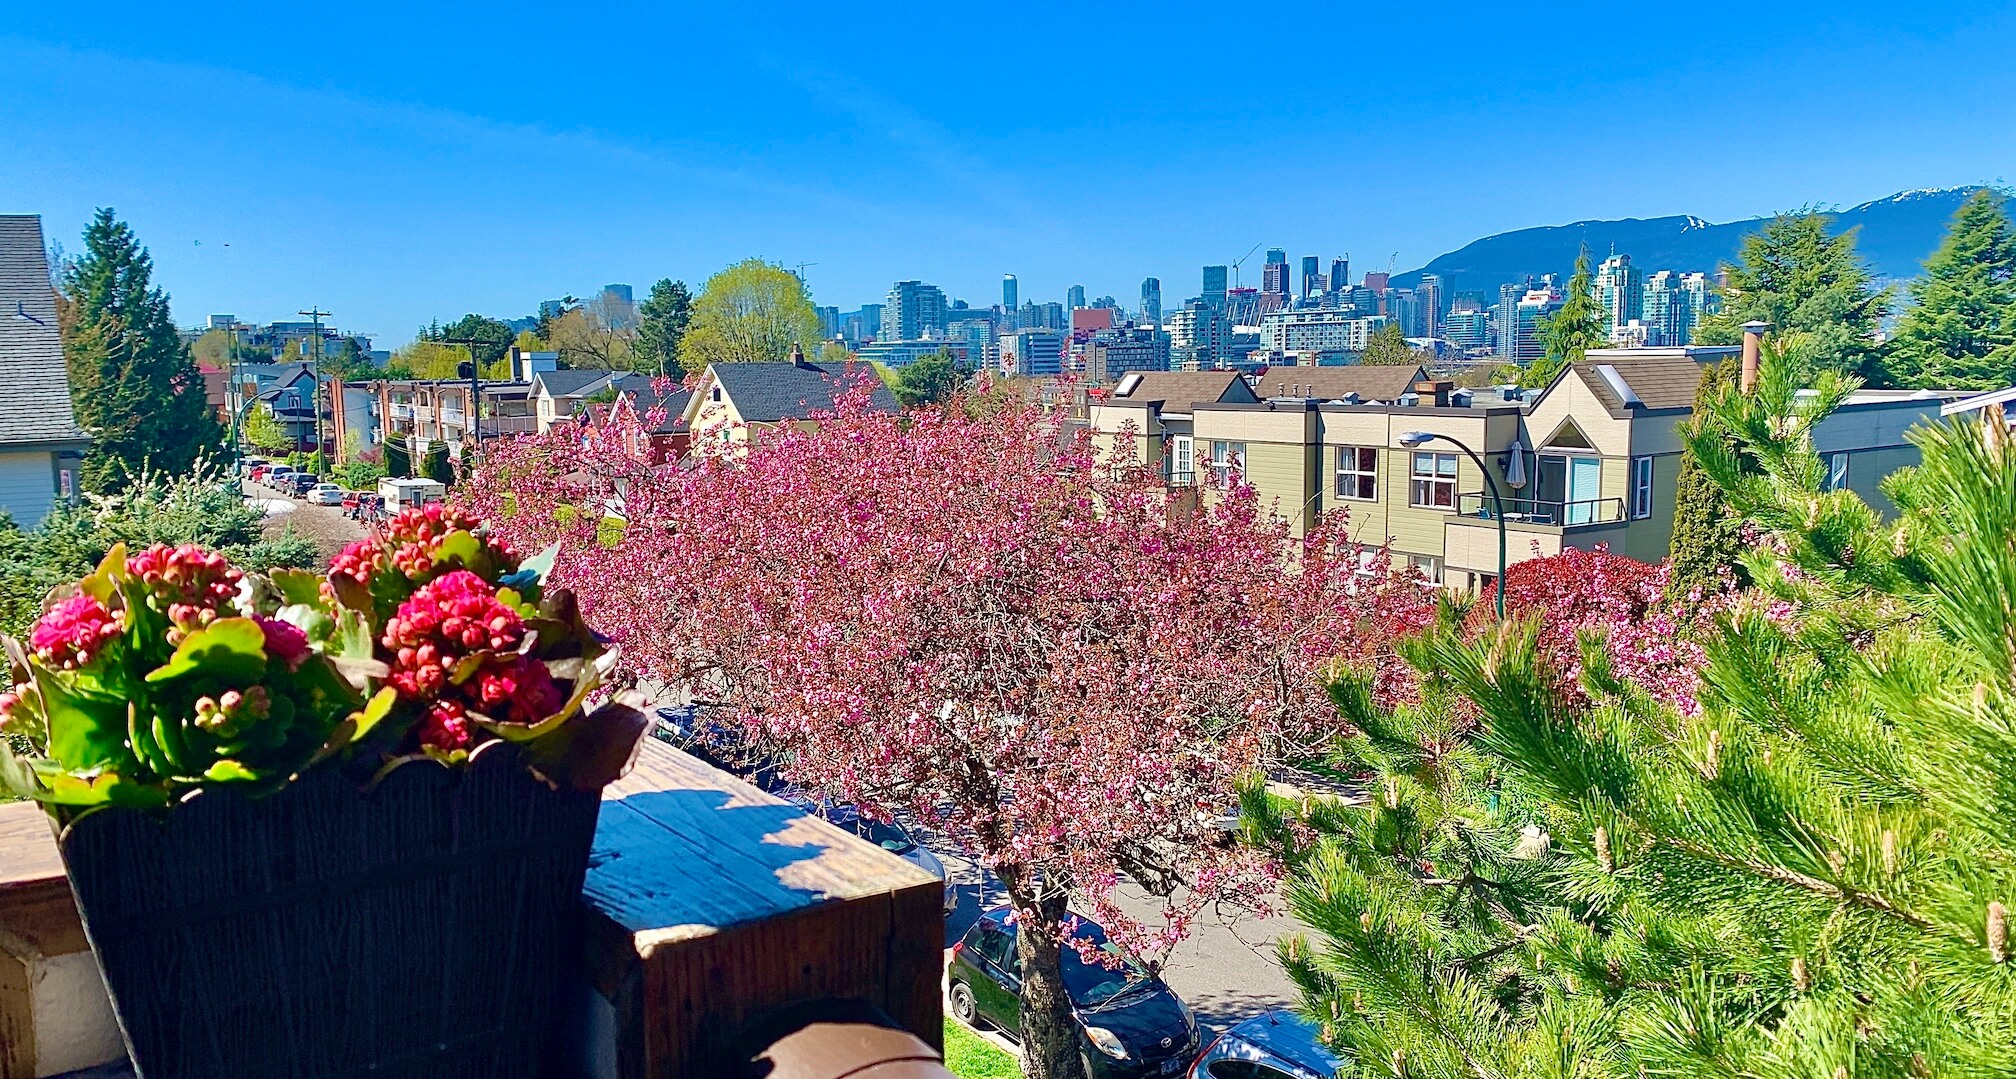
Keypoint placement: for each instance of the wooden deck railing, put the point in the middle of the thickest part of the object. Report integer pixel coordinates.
(715, 910)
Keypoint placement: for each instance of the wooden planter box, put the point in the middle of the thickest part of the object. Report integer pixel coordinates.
(421, 928)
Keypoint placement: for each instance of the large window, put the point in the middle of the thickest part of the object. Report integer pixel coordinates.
(1228, 463)
(1434, 481)
(1641, 488)
(1357, 473)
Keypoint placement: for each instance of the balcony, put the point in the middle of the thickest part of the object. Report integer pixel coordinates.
(1576, 514)
(509, 425)
(402, 412)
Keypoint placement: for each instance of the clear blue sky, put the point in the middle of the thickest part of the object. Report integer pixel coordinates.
(395, 163)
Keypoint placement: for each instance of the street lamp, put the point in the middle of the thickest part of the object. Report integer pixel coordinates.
(1411, 439)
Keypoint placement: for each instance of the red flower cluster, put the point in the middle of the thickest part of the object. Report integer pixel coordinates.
(415, 535)
(71, 633)
(284, 641)
(443, 624)
(359, 562)
(190, 585)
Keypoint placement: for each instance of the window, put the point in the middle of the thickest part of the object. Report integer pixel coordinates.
(1228, 463)
(1641, 488)
(1429, 565)
(1182, 461)
(1837, 471)
(1357, 473)
(1434, 481)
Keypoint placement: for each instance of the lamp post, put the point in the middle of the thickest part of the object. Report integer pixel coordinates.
(1412, 439)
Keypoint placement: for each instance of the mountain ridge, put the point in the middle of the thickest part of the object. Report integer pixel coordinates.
(1897, 233)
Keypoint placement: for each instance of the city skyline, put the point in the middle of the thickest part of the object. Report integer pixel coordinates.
(374, 178)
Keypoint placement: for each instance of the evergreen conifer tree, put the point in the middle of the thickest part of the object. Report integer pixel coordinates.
(1960, 331)
(1796, 276)
(1571, 331)
(1810, 876)
(1707, 546)
(133, 382)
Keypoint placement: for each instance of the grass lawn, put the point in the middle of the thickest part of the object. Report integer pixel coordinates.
(969, 1056)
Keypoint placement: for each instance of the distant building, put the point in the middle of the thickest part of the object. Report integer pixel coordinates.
(1312, 277)
(1214, 287)
(1151, 300)
(1032, 352)
(1528, 313)
(904, 353)
(1673, 305)
(1113, 353)
(1340, 275)
(617, 306)
(1620, 293)
(1010, 293)
(1403, 306)
(1074, 297)
(1432, 304)
(829, 322)
(1086, 321)
(1040, 316)
(1274, 281)
(1200, 338)
(1468, 329)
(915, 311)
(1377, 281)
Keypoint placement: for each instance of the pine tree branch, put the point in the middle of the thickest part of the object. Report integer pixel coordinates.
(1868, 900)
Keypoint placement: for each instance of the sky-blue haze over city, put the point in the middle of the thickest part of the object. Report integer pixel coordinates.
(396, 163)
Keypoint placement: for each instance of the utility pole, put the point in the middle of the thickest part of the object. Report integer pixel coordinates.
(316, 315)
(232, 390)
(474, 371)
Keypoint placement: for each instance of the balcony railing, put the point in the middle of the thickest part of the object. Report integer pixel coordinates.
(509, 425)
(1569, 514)
(402, 412)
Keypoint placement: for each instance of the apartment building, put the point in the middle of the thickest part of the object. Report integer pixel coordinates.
(1592, 458)
(426, 411)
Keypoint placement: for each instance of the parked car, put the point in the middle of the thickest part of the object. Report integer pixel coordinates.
(300, 483)
(326, 494)
(271, 474)
(1130, 1024)
(249, 466)
(1277, 1045)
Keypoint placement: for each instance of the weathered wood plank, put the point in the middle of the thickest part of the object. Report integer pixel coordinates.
(28, 854)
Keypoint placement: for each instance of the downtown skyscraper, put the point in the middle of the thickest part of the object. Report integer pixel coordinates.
(1151, 299)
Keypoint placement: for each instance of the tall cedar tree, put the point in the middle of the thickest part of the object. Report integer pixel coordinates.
(133, 382)
(1961, 329)
(1803, 281)
(1708, 543)
(1570, 332)
(1809, 877)
(661, 325)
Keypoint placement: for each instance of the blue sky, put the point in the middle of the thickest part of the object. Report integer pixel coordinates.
(395, 163)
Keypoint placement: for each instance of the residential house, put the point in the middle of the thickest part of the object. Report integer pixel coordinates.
(41, 446)
(425, 411)
(1592, 458)
(558, 395)
(1156, 406)
(669, 438)
(732, 399)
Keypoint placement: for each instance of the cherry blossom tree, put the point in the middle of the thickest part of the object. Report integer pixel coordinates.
(968, 614)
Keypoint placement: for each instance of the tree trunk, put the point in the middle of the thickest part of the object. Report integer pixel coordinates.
(1049, 1034)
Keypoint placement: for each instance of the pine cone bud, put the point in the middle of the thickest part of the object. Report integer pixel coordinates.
(1603, 856)
(1713, 765)
(1801, 977)
(1889, 852)
(1998, 932)
(1399, 1062)
(1365, 920)
(1841, 1071)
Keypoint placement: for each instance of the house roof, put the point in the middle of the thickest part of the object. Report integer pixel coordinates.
(1183, 388)
(770, 392)
(1653, 383)
(1374, 382)
(570, 383)
(31, 348)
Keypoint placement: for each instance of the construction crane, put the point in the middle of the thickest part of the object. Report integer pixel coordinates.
(1236, 263)
(801, 270)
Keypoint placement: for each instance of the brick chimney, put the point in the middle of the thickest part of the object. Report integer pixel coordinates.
(1753, 342)
(1436, 390)
(798, 356)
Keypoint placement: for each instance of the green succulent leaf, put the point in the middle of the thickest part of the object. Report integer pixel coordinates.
(86, 729)
(298, 586)
(95, 789)
(460, 545)
(230, 771)
(104, 581)
(231, 649)
(593, 750)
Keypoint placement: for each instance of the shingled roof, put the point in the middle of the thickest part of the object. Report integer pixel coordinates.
(1182, 389)
(34, 387)
(771, 392)
(572, 382)
(1374, 382)
(1667, 382)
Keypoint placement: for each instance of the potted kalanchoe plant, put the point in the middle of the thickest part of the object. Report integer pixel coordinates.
(323, 824)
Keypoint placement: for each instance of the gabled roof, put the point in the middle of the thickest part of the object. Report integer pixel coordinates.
(1182, 389)
(1667, 382)
(1375, 382)
(771, 392)
(34, 384)
(569, 383)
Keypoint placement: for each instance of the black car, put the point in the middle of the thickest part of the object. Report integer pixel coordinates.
(1129, 1023)
(1276, 1045)
(299, 483)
